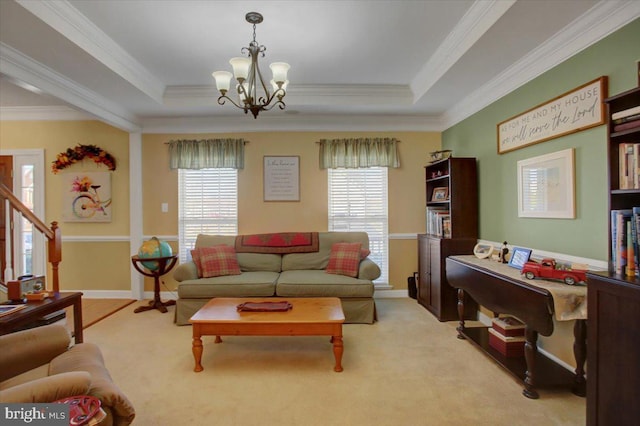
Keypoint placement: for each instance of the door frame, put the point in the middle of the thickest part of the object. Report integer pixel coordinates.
(34, 157)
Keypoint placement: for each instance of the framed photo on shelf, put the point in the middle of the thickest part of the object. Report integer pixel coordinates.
(519, 257)
(440, 194)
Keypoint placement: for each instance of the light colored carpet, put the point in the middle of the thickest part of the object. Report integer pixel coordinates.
(94, 310)
(405, 369)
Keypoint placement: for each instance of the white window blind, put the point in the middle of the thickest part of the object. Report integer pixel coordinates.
(358, 202)
(208, 201)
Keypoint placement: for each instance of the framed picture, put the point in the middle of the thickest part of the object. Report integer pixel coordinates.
(86, 197)
(281, 178)
(519, 257)
(440, 194)
(546, 186)
(483, 251)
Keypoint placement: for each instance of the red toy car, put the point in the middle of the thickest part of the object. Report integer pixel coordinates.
(547, 269)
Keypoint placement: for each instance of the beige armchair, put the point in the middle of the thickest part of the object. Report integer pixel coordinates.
(37, 365)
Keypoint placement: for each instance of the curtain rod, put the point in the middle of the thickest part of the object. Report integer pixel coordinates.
(167, 143)
(348, 139)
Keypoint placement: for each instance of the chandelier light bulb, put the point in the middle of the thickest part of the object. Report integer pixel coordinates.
(240, 67)
(279, 70)
(223, 80)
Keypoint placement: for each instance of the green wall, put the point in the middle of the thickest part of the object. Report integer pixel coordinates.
(586, 236)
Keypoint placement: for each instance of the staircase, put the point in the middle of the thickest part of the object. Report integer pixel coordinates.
(53, 235)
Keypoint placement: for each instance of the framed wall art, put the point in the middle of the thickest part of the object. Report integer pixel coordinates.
(281, 178)
(574, 111)
(86, 197)
(546, 186)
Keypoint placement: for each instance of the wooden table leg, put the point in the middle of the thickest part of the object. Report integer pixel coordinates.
(460, 327)
(196, 348)
(580, 352)
(530, 352)
(338, 349)
(77, 320)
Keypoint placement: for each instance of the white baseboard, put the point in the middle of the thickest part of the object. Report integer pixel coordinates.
(390, 294)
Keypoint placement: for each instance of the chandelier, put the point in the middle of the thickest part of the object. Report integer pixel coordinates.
(253, 93)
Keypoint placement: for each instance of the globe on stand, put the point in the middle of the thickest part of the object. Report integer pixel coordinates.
(154, 248)
(154, 259)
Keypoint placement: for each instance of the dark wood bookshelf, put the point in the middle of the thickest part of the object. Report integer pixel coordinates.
(459, 176)
(613, 331)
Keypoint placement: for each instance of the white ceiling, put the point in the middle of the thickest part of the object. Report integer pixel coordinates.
(145, 65)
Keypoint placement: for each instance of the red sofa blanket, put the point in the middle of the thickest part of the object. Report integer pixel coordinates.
(279, 243)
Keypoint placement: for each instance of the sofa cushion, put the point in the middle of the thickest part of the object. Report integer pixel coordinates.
(247, 284)
(317, 283)
(344, 259)
(320, 259)
(247, 261)
(215, 261)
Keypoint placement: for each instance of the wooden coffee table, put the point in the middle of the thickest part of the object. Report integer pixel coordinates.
(321, 316)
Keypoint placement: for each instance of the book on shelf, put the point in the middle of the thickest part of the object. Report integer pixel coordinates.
(625, 241)
(626, 119)
(627, 125)
(626, 113)
(9, 309)
(629, 165)
(446, 226)
(635, 215)
(435, 217)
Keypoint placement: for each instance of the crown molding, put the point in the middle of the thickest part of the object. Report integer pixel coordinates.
(293, 123)
(481, 16)
(302, 95)
(39, 113)
(21, 67)
(69, 22)
(602, 19)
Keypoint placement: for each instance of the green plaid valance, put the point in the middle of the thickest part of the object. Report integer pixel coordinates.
(359, 153)
(206, 154)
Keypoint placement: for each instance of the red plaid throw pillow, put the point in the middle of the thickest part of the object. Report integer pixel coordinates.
(344, 259)
(215, 261)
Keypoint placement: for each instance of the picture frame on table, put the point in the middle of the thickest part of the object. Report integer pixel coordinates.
(519, 257)
(440, 194)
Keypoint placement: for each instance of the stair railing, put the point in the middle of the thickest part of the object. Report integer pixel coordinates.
(53, 234)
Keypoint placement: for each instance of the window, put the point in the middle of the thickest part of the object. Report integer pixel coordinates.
(208, 201)
(358, 202)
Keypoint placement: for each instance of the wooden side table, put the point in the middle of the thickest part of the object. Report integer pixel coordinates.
(35, 310)
(165, 264)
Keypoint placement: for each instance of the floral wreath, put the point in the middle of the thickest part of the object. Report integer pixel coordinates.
(73, 155)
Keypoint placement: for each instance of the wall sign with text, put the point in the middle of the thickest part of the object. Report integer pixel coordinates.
(281, 178)
(579, 109)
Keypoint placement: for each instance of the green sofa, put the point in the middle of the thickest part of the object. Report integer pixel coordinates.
(281, 275)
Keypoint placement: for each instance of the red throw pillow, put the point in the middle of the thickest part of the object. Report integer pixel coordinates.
(364, 253)
(216, 261)
(344, 259)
